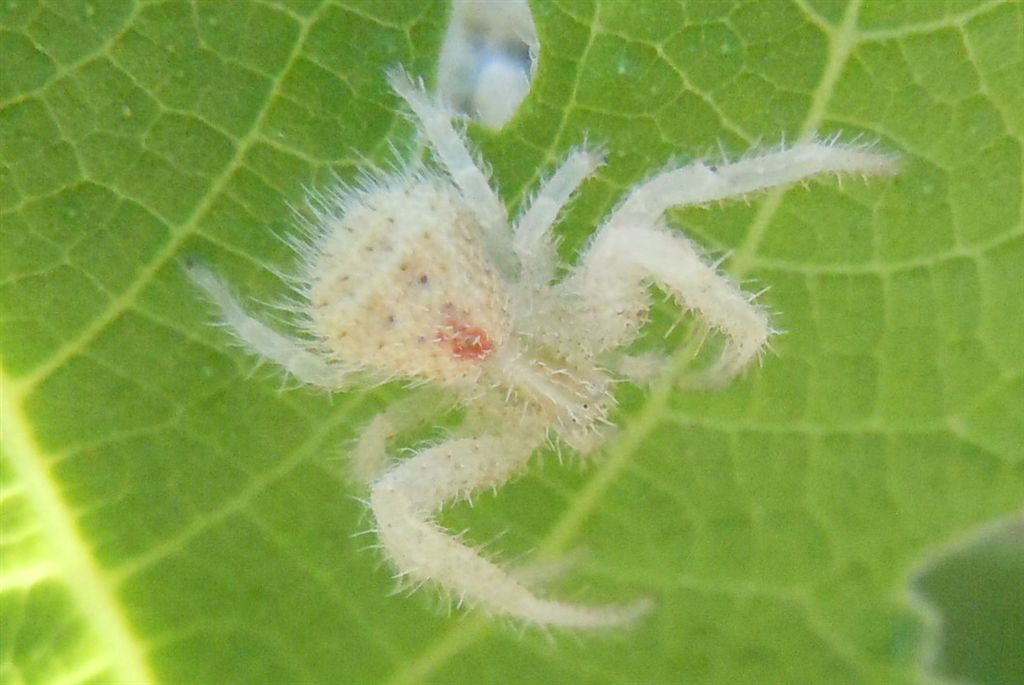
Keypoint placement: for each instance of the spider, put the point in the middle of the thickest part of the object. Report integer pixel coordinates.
(419, 275)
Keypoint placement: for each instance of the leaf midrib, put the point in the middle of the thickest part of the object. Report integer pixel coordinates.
(86, 581)
(89, 585)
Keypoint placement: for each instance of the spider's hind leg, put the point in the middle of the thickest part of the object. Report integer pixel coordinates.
(533, 242)
(292, 354)
(435, 121)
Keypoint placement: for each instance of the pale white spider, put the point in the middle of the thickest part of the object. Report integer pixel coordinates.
(420, 275)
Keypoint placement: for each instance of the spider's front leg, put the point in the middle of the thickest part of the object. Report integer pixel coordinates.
(621, 263)
(370, 458)
(405, 498)
(634, 248)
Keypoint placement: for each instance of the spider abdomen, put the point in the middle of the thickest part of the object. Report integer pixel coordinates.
(400, 283)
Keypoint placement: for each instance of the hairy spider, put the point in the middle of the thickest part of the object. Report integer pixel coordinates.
(420, 275)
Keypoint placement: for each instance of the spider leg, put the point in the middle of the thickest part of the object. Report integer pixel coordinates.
(405, 498)
(451, 149)
(634, 248)
(699, 183)
(369, 457)
(537, 573)
(641, 369)
(647, 367)
(289, 353)
(532, 240)
(623, 260)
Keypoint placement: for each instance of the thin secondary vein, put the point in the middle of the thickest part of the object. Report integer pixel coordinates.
(122, 303)
(841, 45)
(237, 504)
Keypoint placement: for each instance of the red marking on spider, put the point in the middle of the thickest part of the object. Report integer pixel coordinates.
(465, 342)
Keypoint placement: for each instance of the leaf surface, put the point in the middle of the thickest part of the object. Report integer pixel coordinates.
(169, 517)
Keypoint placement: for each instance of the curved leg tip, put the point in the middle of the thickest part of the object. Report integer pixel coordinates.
(555, 614)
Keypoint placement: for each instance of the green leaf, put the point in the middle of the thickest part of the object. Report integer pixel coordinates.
(972, 589)
(169, 517)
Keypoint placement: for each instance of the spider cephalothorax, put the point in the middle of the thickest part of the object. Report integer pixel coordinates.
(420, 275)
